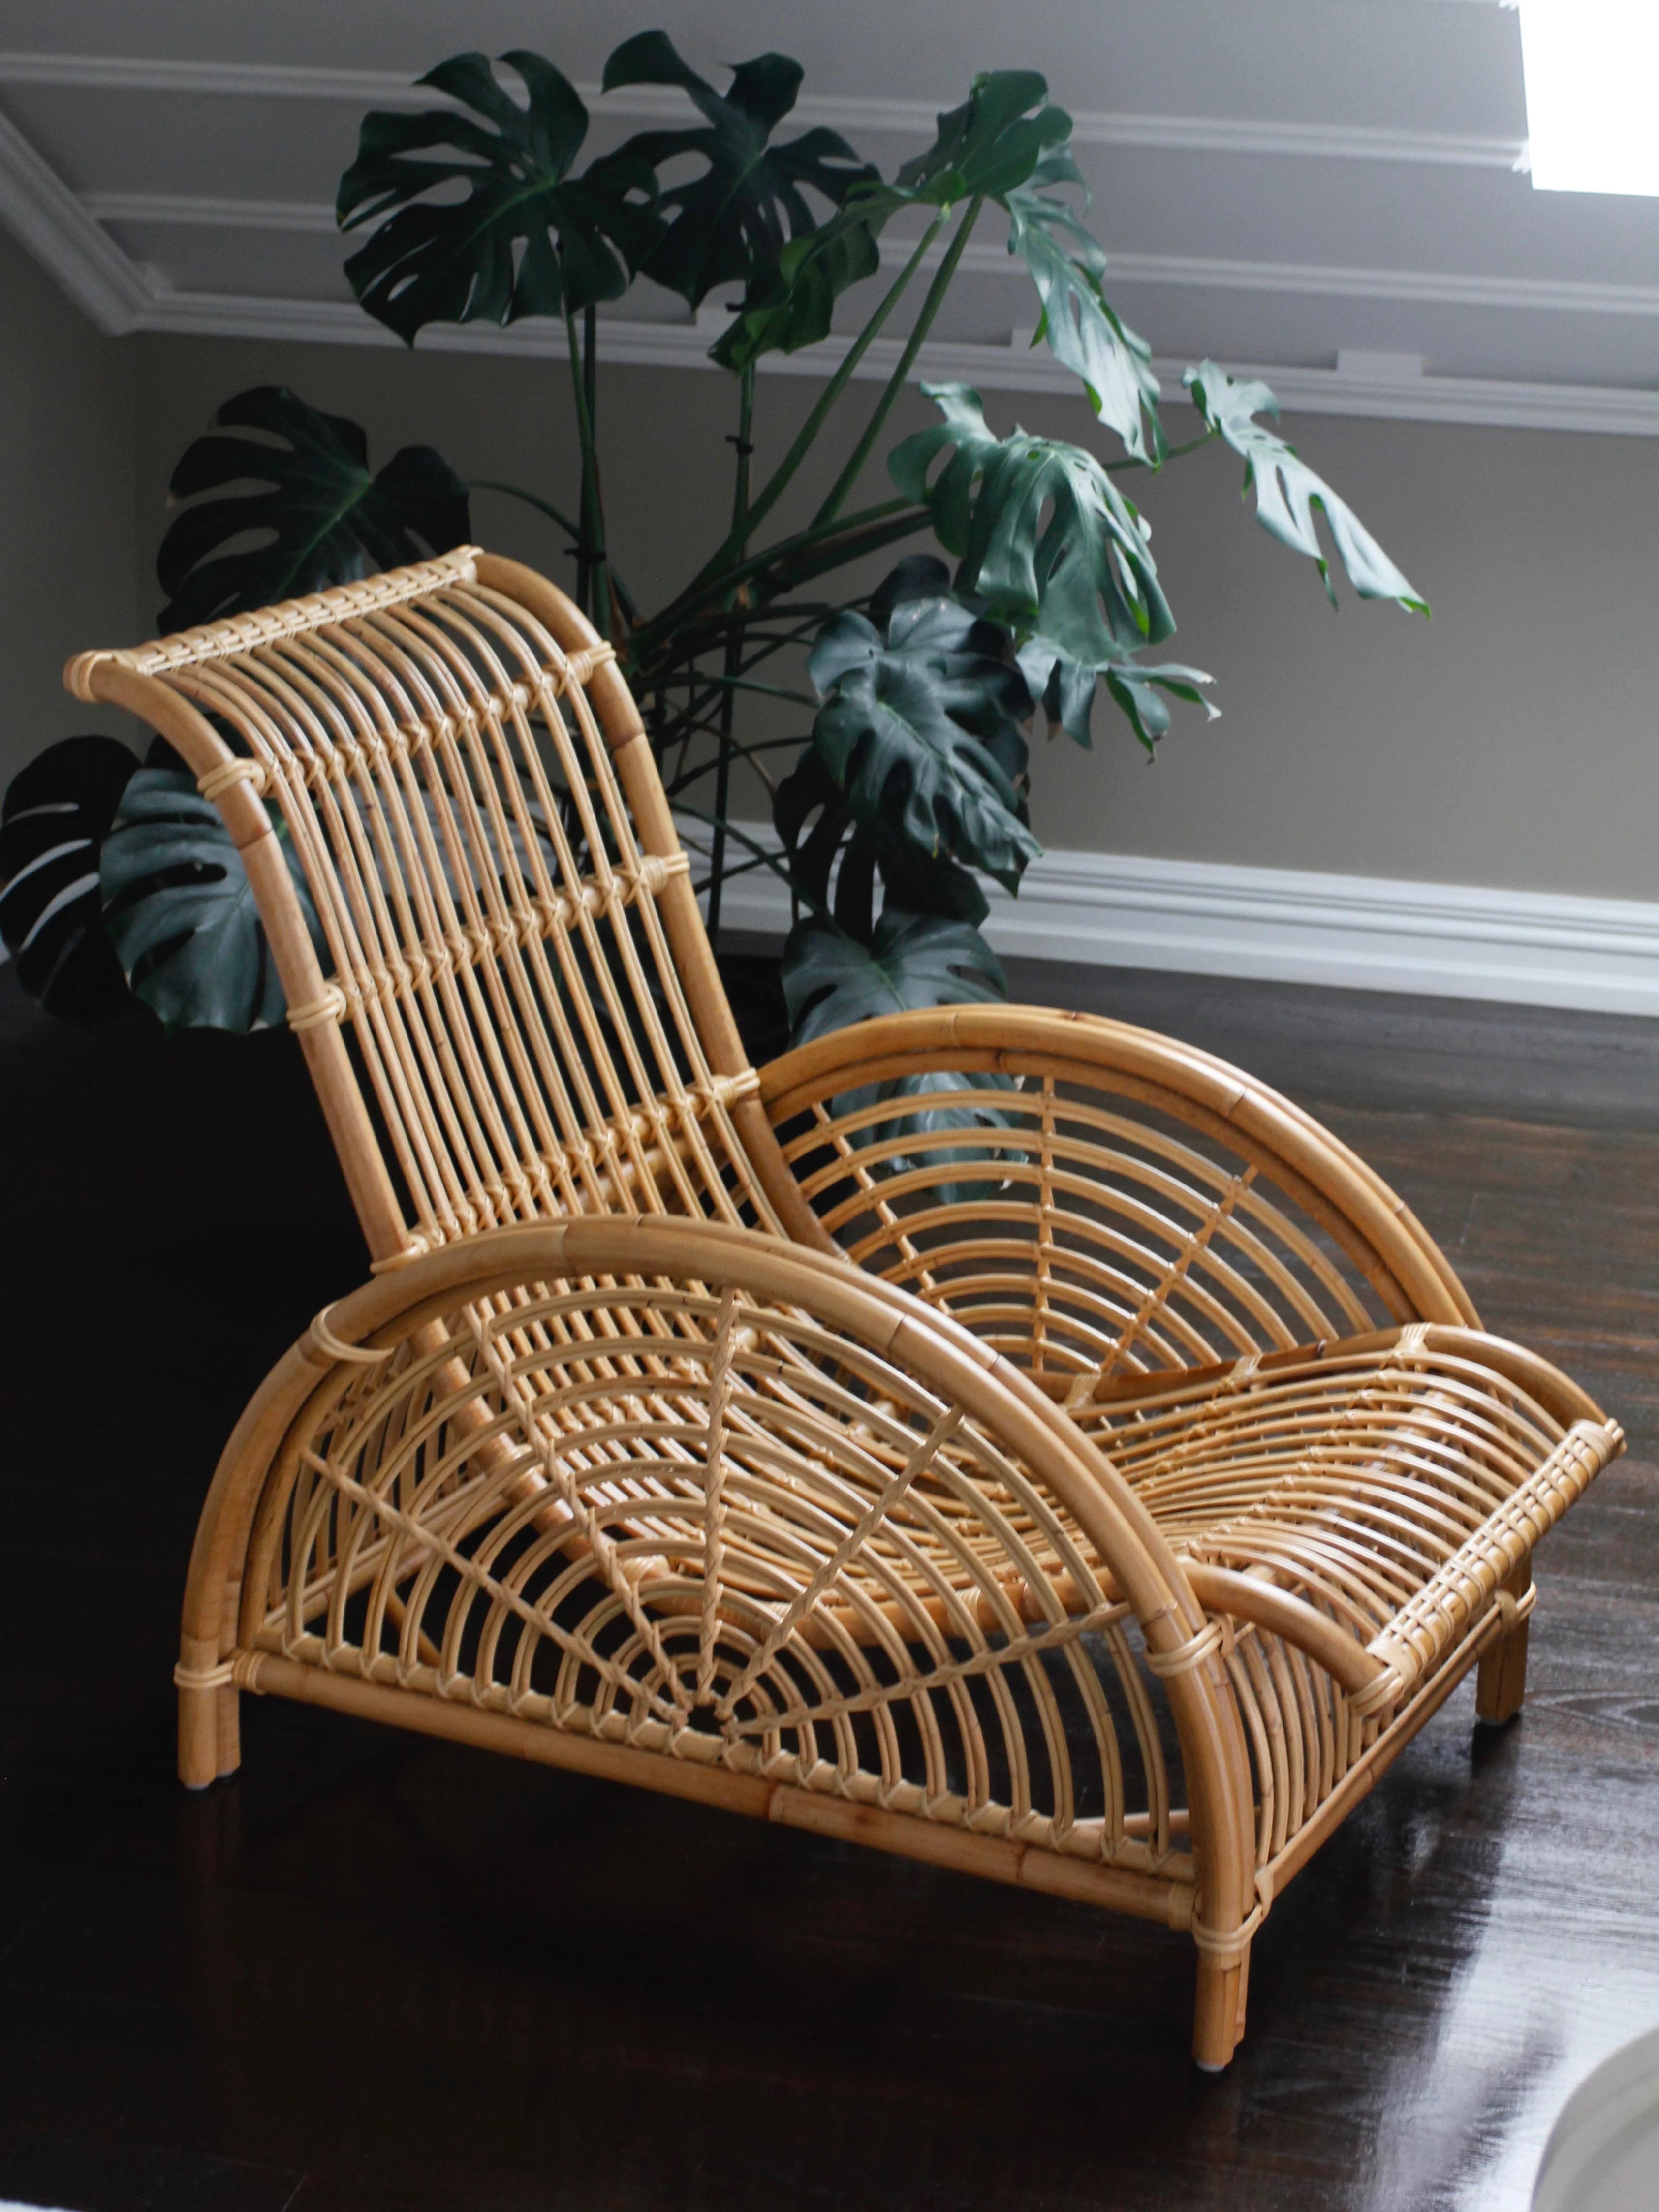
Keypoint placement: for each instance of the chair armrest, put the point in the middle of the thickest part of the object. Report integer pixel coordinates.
(706, 1493)
(1441, 1613)
(1093, 1197)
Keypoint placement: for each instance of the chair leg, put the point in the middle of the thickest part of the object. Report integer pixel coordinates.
(209, 1733)
(1501, 1681)
(198, 1737)
(1219, 2017)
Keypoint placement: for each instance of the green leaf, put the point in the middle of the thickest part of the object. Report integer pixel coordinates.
(1067, 690)
(839, 857)
(1084, 577)
(301, 479)
(794, 304)
(180, 910)
(729, 224)
(830, 981)
(988, 146)
(527, 239)
(920, 728)
(57, 813)
(1287, 491)
(1067, 263)
(914, 961)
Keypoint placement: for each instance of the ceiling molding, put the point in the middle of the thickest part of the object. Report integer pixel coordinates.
(1158, 271)
(1393, 394)
(222, 80)
(1326, 142)
(193, 211)
(42, 213)
(120, 295)
(871, 118)
(1430, 287)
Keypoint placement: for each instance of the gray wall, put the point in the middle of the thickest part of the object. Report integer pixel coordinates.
(1510, 743)
(67, 541)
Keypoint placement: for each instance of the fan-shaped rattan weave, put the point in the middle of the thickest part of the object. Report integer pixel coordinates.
(993, 1435)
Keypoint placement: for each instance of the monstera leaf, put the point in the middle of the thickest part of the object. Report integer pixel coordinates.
(57, 811)
(987, 148)
(526, 237)
(991, 145)
(1068, 263)
(1067, 690)
(180, 910)
(1083, 578)
(830, 981)
(729, 224)
(792, 305)
(834, 861)
(914, 961)
(1287, 491)
(272, 464)
(920, 728)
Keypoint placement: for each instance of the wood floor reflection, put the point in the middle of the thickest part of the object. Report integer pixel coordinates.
(376, 1973)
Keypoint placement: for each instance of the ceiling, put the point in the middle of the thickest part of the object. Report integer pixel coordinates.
(1324, 189)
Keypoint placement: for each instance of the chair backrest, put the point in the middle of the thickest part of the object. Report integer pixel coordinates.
(505, 920)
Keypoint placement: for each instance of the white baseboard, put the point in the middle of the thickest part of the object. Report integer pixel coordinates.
(1284, 925)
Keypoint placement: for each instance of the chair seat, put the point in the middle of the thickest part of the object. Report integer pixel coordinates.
(1393, 1480)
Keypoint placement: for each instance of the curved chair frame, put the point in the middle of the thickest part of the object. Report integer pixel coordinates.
(1151, 1449)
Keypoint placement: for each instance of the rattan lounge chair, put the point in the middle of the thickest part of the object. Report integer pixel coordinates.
(1091, 1481)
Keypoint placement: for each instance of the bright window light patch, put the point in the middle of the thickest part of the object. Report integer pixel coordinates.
(1592, 69)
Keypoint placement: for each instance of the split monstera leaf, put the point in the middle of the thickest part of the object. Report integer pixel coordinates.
(121, 879)
(122, 883)
(269, 464)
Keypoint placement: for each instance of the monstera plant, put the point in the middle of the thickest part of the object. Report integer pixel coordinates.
(121, 879)
(905, 779)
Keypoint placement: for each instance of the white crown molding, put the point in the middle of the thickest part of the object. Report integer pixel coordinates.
(198, 211)
(1425, 286)
(42, 213)
(1282, 925)
(1323, 142)
(872, 116)
(1156, 272)
(222, 80)
(119, 296)
(1391, 393)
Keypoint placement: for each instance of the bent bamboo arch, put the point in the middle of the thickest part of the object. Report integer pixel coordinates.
(689, 1506)
(1094, 1198)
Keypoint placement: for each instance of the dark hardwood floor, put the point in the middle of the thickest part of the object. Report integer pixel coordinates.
(380, 1973)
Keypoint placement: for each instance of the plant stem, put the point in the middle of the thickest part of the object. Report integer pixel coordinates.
(906, 362)
(682, 782)
(893, 518)
(591, 364)
(530, 499)
(733, 651)
(768, 859)
(1174, 453)
(767, 497)
(619, 591)
(590, 548)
